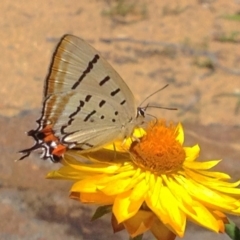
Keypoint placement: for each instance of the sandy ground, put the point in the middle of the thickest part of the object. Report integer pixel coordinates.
(194, 47)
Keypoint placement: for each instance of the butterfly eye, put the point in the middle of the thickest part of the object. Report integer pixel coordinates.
(141, 111)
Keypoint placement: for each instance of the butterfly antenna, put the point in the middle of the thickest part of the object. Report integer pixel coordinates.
(152, 95)
(152, 106)
(153, 117)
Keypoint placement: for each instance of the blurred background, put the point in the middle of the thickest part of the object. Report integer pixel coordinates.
(194, 46)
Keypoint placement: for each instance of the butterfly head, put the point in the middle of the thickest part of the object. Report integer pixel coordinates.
(141, 112)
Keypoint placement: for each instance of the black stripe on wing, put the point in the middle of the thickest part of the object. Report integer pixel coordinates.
(87, 71)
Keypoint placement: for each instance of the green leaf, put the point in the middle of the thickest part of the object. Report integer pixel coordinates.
(101, 211)
(232, 230)
(139, 237)
(234, 17)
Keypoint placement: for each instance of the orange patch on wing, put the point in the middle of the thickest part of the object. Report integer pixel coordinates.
(49, 136)
(59, 150)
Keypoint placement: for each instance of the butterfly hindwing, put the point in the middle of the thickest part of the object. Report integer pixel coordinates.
(76, 119)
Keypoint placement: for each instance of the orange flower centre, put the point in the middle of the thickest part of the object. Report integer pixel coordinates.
(158, 151)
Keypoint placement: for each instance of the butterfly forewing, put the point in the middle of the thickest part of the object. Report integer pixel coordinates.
(77, 65)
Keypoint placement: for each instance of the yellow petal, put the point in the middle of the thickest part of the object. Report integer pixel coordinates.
(228, 190)
(96, 198)
(180, 193)
(139, 191)
(123, 182)
(73, 159)
(124, 208)
(154, 192)
(201, 165)
(191, 153)
(168, 211)
(180, 136)
(203, 217)
(215, 175)
(221, 219)
(136, 178)
(160, 231)
(210, 198)
(194, 209)
(214, 183)
(98, 181)
(117, 186)
(89, 185)
(139, 223)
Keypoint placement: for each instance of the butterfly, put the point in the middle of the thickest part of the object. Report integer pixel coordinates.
(86, 104)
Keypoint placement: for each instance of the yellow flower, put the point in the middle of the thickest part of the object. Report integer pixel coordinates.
(153, 183)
